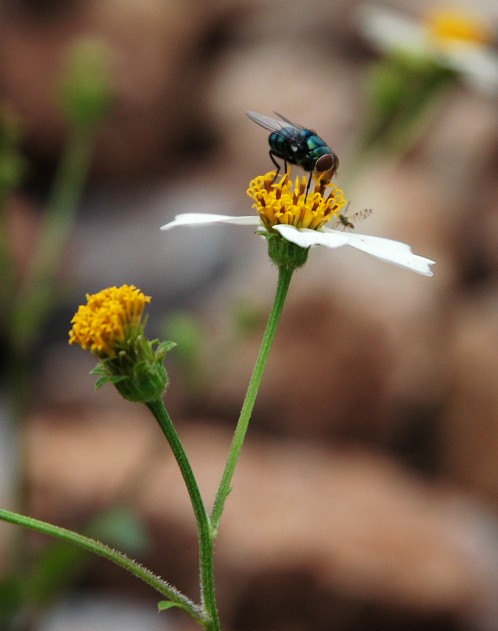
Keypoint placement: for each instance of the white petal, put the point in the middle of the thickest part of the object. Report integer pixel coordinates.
(197, 219)
(305, 238)
(391, 251)
(388, 29)
(479, 65)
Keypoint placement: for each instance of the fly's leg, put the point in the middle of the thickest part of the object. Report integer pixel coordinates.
(308, 185)
(272, 158)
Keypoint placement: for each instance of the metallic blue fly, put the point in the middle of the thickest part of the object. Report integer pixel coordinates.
(297, 145)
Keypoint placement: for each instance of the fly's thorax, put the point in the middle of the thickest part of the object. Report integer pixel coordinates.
(304, 149)
(292, 148)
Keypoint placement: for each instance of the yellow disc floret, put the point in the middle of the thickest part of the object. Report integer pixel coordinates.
(449, 26)
(286, 201)
(108, 319)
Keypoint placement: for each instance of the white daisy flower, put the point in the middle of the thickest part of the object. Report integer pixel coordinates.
(454, 38)
(286, 211)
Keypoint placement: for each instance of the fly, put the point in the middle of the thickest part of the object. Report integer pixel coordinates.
(297, 145)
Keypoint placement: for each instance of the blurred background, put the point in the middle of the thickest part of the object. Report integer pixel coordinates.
(367, 494)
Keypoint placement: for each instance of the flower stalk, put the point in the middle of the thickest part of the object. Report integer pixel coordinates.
(112, 326)
(284, 278)
(85, 100)
(204, 530)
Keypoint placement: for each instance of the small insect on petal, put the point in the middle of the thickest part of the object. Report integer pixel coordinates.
(347, 222)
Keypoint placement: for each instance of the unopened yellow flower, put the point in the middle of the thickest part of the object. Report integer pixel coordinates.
(109, 318)
(287, 202)
(111, 326)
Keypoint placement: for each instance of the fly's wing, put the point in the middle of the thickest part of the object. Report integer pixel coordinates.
(359, 215)
(290, 122)
(284, 128)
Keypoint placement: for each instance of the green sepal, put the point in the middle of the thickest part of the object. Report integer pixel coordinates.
(137, 370)
(285, 254)
(105, 376)
(101, 382)
(163, 347)
(147, 382)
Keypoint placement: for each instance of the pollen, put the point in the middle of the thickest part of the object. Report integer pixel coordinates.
(449, 26)
(108, 319)
(285, 201)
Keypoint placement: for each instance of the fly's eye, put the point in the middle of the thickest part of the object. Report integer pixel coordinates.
(326, 162)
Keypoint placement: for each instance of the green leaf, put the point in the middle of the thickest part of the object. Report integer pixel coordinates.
(11, 598)
(53, 570)
(247, 319)
(121, 527)
(164, 605)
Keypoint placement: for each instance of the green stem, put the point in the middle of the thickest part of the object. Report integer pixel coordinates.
(204, 532)
(35, 299)
(6, 260)
(284, 279)
(29, 309)
(118, 558)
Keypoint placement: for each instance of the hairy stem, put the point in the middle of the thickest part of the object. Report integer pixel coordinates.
(118, 558)
(203, 526)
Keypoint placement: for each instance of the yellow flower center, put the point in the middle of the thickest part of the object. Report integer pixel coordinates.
(107, 320)
(285, 201)
(450, 26)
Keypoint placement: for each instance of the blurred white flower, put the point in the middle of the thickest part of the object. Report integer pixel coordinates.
(454, 38)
